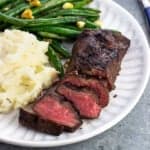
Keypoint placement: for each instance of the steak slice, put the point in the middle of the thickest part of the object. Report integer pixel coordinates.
(54, 109)
(84, 101)
(99, 53)
(31, 120)
(91, 84)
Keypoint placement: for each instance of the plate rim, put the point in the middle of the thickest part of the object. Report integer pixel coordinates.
(111, 123)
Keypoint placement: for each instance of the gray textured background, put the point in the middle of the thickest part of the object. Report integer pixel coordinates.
(133, 133)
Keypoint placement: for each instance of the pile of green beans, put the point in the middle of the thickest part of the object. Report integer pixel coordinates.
(51, 22)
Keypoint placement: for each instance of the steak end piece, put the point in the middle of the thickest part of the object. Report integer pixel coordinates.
(54, 109)
(99, 53)
(84, 102)
(31, 120)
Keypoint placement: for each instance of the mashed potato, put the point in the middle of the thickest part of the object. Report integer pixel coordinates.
(24, 69)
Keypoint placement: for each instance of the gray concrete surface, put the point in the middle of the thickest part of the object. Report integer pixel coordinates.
(133, 133)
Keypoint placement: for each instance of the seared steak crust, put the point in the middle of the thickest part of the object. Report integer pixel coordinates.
(31, 120)
(99, 54)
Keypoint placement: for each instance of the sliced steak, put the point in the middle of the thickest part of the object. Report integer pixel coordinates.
(84, 101)
(54, 109)
(91, 84)
(31, 120)
(99, 53)
(94, 66)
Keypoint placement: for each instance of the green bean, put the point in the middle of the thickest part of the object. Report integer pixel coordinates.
(10, 6)
(46, 13)
(37, 22)
(70, 26)
(19, 6)
(82, 3)
(6, 8)
(56, 30)
(16, 10)
(3, 2)
(44, 1)
(92, 19)
(49, 4)
(92, 10)
(55, 61)
(60, 49)
(11, 9)
(51, 35)
(91, 25)
(73, 12)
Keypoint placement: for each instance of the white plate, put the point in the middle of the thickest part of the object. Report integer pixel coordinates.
(129, 87)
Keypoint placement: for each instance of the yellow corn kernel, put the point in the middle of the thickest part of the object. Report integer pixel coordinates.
(2, 89)
(27, 82)
(67, 5)
(27, 14)
(99, 23)
(80, 24)
(39, 69)
(35, 3)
